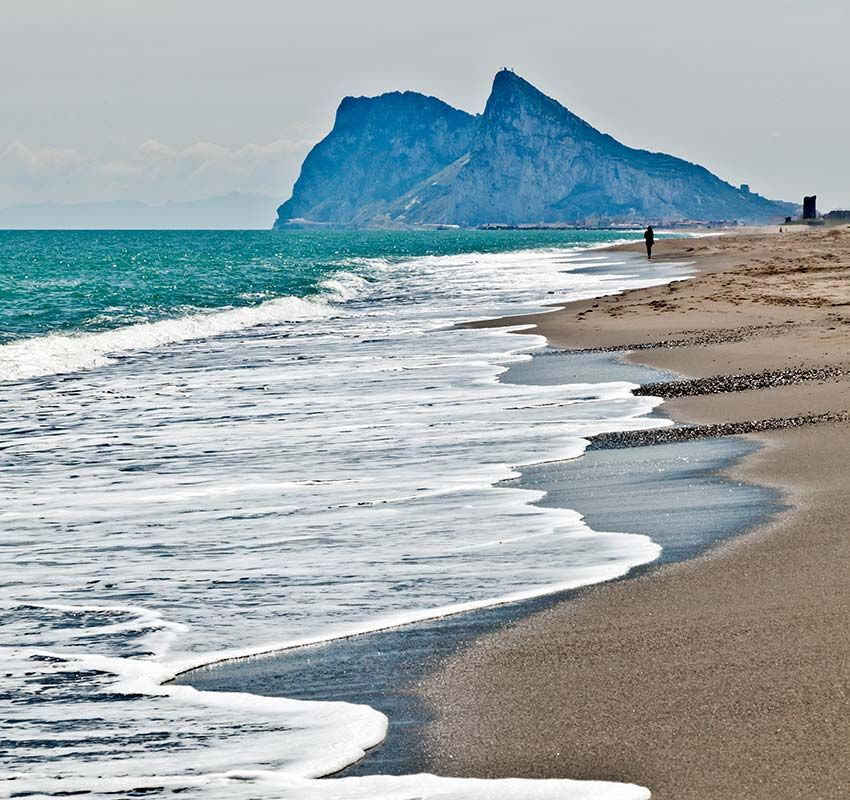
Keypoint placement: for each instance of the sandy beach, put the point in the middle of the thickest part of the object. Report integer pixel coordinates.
(727, 676)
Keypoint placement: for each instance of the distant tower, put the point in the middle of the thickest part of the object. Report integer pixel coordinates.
(745, 188)
(810, 207)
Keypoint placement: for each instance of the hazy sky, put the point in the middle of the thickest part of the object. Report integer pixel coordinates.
(181, 99)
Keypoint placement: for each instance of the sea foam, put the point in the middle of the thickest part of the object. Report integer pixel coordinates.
(62, 353)
(276, 487)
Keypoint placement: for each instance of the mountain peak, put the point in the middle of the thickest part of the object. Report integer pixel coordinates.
(519, 110)
(508, 84)
(358, 109)
(379, 148)
(506, 75)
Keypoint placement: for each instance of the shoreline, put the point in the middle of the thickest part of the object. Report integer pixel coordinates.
(243, 585)
(721, 676)
(260, 674)
(383, 668)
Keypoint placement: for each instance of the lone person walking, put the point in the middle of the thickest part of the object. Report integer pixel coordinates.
(650, 240)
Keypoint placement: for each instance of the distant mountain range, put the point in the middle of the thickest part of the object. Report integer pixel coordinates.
(236, 211)
(408, 159)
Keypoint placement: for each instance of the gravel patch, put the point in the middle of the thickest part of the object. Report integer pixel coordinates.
(698, 339)
(724, 384)
(621, 439)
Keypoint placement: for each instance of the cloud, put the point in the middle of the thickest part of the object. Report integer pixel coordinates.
(31, 166)
(154, 171)
(209, 167)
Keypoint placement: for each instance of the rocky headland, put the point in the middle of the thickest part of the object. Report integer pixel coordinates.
(407, 159)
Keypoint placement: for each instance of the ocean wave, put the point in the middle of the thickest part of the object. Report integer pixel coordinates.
(57, 353)
(63, 353)
(329, 735)
(342, 287)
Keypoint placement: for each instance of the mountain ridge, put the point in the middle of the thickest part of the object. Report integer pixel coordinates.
(526, 160)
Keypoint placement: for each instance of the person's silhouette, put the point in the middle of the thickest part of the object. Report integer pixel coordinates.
(649, 235)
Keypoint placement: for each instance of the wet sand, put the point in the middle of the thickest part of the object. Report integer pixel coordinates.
(651, 494)
(727, 676)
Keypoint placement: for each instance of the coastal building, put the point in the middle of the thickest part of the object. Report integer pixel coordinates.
(810, 210)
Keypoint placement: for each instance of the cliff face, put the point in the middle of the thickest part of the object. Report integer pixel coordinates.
(527, 160)
(378, 149)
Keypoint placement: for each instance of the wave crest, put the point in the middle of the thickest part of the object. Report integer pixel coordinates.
(58, 353)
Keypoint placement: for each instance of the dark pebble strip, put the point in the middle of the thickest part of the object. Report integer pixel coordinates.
(723, 384)
(702, 339)
(622, 439)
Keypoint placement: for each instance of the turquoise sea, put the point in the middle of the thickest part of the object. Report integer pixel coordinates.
(64, 281)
